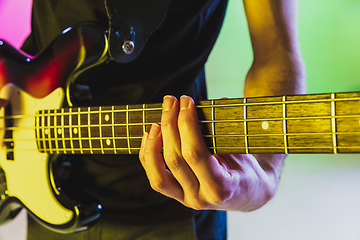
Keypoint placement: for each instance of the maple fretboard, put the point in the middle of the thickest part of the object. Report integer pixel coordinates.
(319, 123)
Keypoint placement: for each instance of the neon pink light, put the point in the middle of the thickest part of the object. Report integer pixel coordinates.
(15, 18)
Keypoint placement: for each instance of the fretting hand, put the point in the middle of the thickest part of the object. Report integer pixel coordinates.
(197, 178)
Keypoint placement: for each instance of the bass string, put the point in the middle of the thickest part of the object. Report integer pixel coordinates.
(241, 103)
(200, 122)
(126, 149)
(104, 138)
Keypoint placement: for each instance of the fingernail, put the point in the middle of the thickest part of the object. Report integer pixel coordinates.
(168, 102)
(154, 131)
(185, 102)
(145, 136)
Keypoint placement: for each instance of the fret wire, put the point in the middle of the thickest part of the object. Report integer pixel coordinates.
(100, 132)
(113, 128)
(127, 129)
(245, 128)
(79, 130)
(37, 129)
(144, 118)
(62, 129)
(43, 130)
(70, 131)
(284, 126)
(49, 133)
(89, 131)
(213, 126)
(333, 126)
(55, 134)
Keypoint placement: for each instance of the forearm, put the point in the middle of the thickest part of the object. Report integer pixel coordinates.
(277, 68)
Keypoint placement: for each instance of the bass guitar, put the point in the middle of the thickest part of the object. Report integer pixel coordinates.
(34, 126)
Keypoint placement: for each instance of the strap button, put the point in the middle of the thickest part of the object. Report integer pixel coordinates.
(128, 47)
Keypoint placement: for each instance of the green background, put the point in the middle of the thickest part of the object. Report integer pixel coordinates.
(329, 33)
(318, 195)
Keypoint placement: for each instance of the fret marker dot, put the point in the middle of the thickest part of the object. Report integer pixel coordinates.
(265, 125)
(59, 131)
(75, 130)
(107, 117)
(108, 142)
(46, 131)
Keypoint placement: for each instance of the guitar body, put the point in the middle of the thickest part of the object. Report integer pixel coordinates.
(30, 84)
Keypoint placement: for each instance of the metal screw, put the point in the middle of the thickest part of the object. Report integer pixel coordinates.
(128, 47)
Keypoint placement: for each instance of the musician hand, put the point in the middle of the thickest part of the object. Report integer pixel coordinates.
(195, 177)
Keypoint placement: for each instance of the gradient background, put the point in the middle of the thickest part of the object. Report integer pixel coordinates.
(319, 195)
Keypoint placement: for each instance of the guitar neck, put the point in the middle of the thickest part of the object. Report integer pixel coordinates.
(319, 123)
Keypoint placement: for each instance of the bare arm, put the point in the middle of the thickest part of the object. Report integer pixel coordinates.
(277, 67)
(242, 182)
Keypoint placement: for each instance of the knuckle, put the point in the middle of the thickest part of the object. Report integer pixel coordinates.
(158, 185)
(198, 204)
(192, 156)
(173, 162)
(184, 121)
(222, 195)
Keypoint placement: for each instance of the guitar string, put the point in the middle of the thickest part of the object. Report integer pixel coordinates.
(241, 121)
(95, 126)
(122, 150)
(238, 104)
(325, 117)
(50, 114)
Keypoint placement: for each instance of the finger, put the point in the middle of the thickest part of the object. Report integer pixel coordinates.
(142, 148)
(193, 146)
(160, 179)
(172, 148)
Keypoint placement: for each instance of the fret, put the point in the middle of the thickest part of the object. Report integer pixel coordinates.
(43, 131)
(55, 132)
(284, 125)
(127, 129)
(37, 125)
(113, 128)
(100, 132)
(89, 130)
(143, 117)
(48, 130)
(61, 132)
(245, 129)
(71, 132)
(333, 124)
(313, 121)
(213, 126)
(79, 130)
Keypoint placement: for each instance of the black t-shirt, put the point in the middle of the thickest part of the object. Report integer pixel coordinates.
(172, 62)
